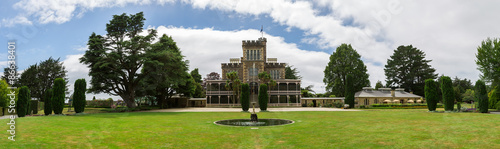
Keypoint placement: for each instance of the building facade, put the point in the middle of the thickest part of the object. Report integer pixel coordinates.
(254, 61)
(369, 96)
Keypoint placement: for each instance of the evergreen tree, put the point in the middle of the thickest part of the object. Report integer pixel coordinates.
(79, 95)
(22, 102)
(431, 94)
(345, 60)
(263, 97)
(448, 95)
(115, 59)
(291, 73)
(4, 99)
(47, 107)
(349, 91)
(481, 96)
(407, 68)
(58, 96)
(378, 85)
(245, 97)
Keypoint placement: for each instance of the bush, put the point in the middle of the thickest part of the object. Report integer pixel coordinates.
(22, 102)
(58, 95)
(304, 105)
(495, 97)
(79, 95)
(349, 91)
(448, 93)
(498, 105)
(34, 106)
(459, 106)
(431, 94)
(98, 103)
(481, 96)
(402, 106)
(338, 104)
(47, 105)
(263, 97)
(245, 97)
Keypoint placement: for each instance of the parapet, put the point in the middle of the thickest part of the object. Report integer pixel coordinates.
(260, 42)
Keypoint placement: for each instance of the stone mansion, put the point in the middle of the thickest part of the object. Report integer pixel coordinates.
(254, 61)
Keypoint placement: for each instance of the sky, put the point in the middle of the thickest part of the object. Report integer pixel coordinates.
(301, 33)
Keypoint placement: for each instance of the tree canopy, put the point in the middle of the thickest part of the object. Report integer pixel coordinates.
(115, 60)
(291, 73)
(379, 85)
(407, 68)
(488, 60)
(40, 77)
(345, 60)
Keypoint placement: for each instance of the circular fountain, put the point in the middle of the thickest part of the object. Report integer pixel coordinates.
(254, 121)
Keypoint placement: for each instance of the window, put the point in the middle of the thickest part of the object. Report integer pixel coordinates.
(258, 54)
(275, 74)
(367, 102)
(253, 71)
(376, 101)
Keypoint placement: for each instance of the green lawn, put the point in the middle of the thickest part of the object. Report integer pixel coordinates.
(409, 128)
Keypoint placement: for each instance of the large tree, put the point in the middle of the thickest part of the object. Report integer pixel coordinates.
(407, 68)
(115, 59)
(291, 73)
(349, 91)
(166, 71)
(345, 60)
(488, 60)
(379, 85)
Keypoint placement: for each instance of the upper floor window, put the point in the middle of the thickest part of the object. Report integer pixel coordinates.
(253, 71)
(253, 54)
(275, 74)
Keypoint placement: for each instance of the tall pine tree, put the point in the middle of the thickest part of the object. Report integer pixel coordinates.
(407, 68)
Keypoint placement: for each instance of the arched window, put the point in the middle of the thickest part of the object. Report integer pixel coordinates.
(367, 102)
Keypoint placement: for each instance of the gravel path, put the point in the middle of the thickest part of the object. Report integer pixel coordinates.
(239, 109)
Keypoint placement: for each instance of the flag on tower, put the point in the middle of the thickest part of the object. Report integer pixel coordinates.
(261, 28)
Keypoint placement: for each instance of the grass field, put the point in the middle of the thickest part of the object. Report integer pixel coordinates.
(364, 129)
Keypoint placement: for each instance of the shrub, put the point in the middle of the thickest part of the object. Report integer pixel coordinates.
(498, 105)
(47, 107)
(431, 94)
(263, 97)
(22, 102)
(245, 97)
(448, 93)
(338, 104)
(481, 96)
(495, 97)
(58, 95)
(459, 106)
(99, 103)
(304, 105)
(34, 106)
(349, 91)
(79, 95)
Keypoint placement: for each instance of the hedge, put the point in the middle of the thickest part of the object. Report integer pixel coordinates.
(99, 103)
(402, 106)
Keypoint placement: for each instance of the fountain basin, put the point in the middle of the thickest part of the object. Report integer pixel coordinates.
(247, 122)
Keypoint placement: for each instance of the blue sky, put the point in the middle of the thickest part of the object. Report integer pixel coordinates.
(300, 33)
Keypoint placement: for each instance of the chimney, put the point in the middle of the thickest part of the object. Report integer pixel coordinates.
(393, 93)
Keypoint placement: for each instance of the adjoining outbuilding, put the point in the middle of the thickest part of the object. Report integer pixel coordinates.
(369, 96)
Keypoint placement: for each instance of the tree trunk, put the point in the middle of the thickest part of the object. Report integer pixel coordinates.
(129, 100)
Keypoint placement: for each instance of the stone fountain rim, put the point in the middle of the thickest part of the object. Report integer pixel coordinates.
(254, 126)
